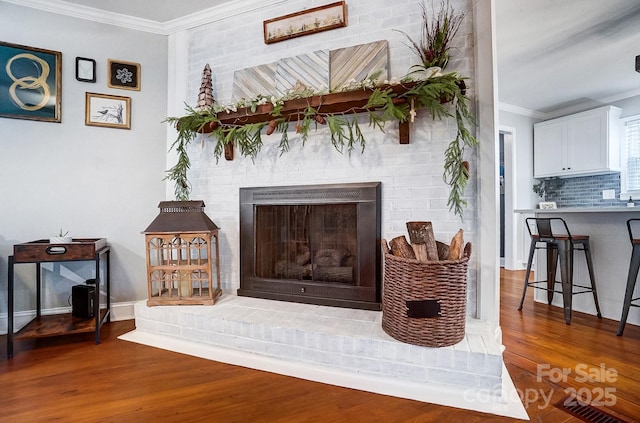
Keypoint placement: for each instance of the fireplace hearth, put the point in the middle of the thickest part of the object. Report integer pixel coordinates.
(315, 244)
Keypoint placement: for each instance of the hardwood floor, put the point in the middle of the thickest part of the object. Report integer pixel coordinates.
(599, 364)
(70, 379)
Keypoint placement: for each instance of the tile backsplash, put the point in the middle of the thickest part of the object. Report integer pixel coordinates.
(585, 191)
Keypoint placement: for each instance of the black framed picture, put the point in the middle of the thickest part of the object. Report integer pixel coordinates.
(124, 75)
(30, 83)
(85, 69)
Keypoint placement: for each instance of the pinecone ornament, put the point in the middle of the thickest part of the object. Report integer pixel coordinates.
(205, 97)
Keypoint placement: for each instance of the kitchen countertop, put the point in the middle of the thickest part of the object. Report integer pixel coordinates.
(582, 210)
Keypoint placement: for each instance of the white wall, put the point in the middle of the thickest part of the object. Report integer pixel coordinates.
(91, 181)
(488, 292)
(411, 175)
(519, 183)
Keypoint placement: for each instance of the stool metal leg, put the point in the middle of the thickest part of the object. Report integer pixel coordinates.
(565, 252)
(587, 253)
(634, 265)
(532, 250)
(552, 263)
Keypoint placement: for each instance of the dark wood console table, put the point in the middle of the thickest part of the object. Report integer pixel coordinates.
(41, 251)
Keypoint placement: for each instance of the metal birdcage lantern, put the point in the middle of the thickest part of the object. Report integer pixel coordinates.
(181, 259)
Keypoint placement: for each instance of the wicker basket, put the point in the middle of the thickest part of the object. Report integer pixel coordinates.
(417, 289)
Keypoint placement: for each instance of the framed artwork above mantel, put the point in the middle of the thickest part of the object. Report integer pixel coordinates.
(305, 22)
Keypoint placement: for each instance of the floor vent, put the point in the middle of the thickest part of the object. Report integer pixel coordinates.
(586, 412)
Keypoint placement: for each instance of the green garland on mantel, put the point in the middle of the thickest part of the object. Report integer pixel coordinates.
(443, 96)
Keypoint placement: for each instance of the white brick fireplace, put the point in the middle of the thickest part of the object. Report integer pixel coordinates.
(334, 345)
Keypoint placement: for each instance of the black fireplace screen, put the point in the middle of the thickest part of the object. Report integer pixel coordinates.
(307, 242)
(316, 244)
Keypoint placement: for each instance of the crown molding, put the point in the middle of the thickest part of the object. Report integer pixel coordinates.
(92, 14)
(593, 103)
(522, 111)
(206, 16)
(576, 108)
(216, 13)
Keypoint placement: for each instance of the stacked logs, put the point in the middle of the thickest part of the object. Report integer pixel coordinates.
(328, 264)
(424, 247)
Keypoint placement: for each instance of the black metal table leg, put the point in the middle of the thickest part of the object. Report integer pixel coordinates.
(10, 305)
(38, 290)
(107, 278)
(96, 299)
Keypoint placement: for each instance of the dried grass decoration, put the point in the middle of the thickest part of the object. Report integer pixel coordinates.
(438, 31)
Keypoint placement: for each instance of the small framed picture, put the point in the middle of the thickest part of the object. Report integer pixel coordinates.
(110, 111)
(124, 75)
(85, 69)
(547, 205)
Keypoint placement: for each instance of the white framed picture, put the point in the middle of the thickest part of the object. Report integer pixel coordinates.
(547, 205)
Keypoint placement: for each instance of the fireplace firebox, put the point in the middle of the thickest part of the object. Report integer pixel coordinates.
(315, 244)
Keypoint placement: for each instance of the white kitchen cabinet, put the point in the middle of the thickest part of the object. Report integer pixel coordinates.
(586, 143)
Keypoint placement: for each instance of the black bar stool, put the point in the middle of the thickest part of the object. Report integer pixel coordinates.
(560, 247)
(631, 278)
